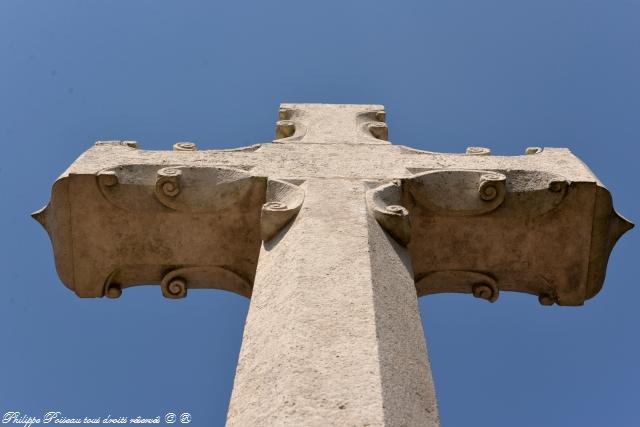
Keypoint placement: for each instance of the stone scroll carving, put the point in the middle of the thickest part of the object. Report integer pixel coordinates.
(479, 284)
(192, 189)
(458, 192)
(289, 127)
(482, 231)
(177, 187)
(183, 227)
(385, 204)
(284, 201)
(175, 282)
(373, 124)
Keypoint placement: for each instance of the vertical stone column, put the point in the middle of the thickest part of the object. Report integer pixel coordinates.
(333, 335)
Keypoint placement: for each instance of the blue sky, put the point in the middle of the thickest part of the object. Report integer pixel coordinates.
(502, 74)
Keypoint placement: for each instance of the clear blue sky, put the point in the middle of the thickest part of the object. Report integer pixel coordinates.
(502, 74)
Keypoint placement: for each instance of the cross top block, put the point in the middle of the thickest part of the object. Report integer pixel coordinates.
(540, 223)
(332, 124)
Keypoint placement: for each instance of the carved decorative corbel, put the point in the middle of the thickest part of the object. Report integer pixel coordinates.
(112, 289)
(288, 129)
(372, 124)
(168, 184)
(385, 204)
(479, 284)
(468, 229)
(458, 192)
(284, 201)
(135, 222)
(174, 287)
(180, 188)
(478, 151)
(185, 146)
(192, 189)
(175, 281)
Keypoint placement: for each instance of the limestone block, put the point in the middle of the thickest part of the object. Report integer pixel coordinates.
(179, 226)
(482, 231)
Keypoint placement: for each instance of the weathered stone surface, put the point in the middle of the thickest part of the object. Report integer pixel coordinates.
(137, 224)
(333, 335)
(334, 232)
(502, 229)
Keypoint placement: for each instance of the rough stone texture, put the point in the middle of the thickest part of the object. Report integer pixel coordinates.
(334, 232)
(333, 335)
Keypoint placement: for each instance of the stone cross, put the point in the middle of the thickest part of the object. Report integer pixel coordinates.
(333, 233)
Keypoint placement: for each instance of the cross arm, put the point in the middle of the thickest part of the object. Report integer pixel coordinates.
(105, 155)
(120, 217)
(541, 223)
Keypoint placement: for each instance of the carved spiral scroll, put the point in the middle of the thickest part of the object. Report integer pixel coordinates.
(458, 192)
(558, 185)
(373, 124)
(284, 201)
(205, 189)
(285, 113)
(113, 290)
(184, 146)
(477, 151)
(487, 290)
(547, 299)
(285, 129)
(384, 204)
(275, 206)
(176, 282)
(174, 287)
(379, 130)
(168, 181)
(107, 178)
(492, 186)
(480, 285)
(398, 210)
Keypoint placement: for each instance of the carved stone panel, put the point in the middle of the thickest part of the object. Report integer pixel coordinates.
(177, 226)
(483, 231)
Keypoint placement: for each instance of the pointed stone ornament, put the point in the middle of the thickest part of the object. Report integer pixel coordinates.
(333, 233)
